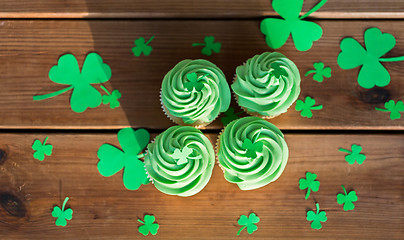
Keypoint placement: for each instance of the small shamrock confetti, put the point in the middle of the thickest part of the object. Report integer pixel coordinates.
(111, 98)
(67, 72)
(304, 33)
(309, 183)
(182, 157)
(41, 149)
(253, 147)
(62, 215)
(354, 155)
(229, 116)
(347, 199)
(317, 217)
(278, 71)
(393, 108)
(210, 46)
(372, 72)
(148, 225)
(194, 82)
(142, 47)
(320, 72)
(249, 223)
(306, 107)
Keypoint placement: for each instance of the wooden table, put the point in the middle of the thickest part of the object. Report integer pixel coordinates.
(36, 33)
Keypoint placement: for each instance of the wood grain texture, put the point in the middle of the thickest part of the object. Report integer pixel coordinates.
(191, 9)
(104, 209)
(30, 48)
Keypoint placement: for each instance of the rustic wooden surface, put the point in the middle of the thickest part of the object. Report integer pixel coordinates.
(104, 209)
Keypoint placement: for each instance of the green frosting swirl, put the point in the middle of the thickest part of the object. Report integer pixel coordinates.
(191, 106)
(184, 179)
(267, 84)
(251, 173)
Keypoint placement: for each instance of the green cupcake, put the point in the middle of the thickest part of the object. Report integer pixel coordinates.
(194, 93)
(180, 161)
(252, 152)
(266, 85)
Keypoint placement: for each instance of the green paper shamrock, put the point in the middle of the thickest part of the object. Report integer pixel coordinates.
(355, 155)
(320, 72)
(393, 108)
(148, 225)
(111, 98)
(253, 147)
(41, 149)
(309, 183)
(306, 107)
(277, 71)
(194, 82)
(182, 157)
(112, 159)
(62, 215)
(229, 116)
(210, 46)
(142, 47)
(249, 223)
(347, 199)
(317, 217)
(304, 33)
(372, 72)
(84, 95)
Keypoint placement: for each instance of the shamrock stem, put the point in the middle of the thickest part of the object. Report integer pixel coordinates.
(319, 107)
(46, 139)
(344, 150)
(64, 203)
(344, 189)
(141, 221)
(241, 229)
(150, 39)
(141, 155)
(50, 95)
(315, 8)
(382, 109)
(238, 113)
(307, 194)
(318, 207)
(105, 90)
(256, 137)
(394, 59)
(198, 44)
(196, 158)
(202, 76)
(310, 72)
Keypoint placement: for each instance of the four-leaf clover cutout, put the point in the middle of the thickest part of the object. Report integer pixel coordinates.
(347, 199)
(111, 98)
(317, 217)
(354, 155)
(61, 214)
(393, 108)
(182, 156)
(142, 47)
(194, 82)
(112, 159)
(210, 46)
(310, 183)
(148, 225)
(229, 116)
(306, 107)
(304, 33)
(320, 72)
(249, 223)
(252, 147)
(41, 149)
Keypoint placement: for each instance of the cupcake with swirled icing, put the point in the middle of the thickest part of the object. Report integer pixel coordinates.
(194, 93)
(252, 152)
(266, 85)
(180, 161)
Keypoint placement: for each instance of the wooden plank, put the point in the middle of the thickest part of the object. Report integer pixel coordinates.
(104, 209)
(30, 48)
(190, 9)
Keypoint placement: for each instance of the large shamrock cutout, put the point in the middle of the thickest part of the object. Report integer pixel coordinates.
(67, 72)
(393, 108)
(372, 72)
(210, 46)
(113, 159)
(61, 214)
(317, 217)
(142, 47)
(354, 155)
(249, 223)
(304, 33)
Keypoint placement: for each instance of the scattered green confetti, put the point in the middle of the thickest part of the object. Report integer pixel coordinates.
(148, 225)
(84, 95)
(194, 82)
(142, 47)
(353, 55)
(182, 157)
(112, 159)
(249, 223)
(310, 183)
(41, 149)
(111, 98)
(304, 33)
(306, 107)
(278, 71)
(347, 199)
(210, 46)
(354, 155)
(317, 217)
(253, 147)
(229, 116)
(320, 72)
(393, 108)
(62, 215)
